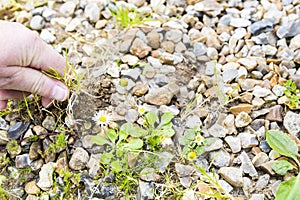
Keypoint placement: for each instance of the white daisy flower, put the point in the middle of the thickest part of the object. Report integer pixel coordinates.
(141, 110)
(102, 118)
(199, 139)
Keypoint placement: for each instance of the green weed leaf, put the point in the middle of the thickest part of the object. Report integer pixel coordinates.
(282, 143)
(134, 144)
(115, 165)
(166, 132)
(112, 135)
(133, 130)
(282, 166)
(151, 118)
(289, 190)
(105, 158)
(166, 118)
(99, 139)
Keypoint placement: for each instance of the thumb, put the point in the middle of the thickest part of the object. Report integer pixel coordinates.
(33, 81)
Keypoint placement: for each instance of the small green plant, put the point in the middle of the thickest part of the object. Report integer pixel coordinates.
(193, 143)
(126, 17)
(291, 93)
(12, 146)
(284, 145)
(124, 146)
(60, 143)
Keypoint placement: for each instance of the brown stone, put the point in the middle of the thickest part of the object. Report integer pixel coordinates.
(241, 108)
(32, 188)
(275, 114)
(140, 89)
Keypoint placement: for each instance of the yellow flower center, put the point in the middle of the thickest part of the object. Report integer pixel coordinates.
(198, 139)
(192, 155)
(102, 118)
(142, 110)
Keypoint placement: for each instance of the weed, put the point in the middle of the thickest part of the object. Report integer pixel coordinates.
(60, 143)
(126, 17)
(284, 145)
(291, 93)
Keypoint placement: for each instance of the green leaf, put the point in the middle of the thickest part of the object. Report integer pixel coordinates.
(166, 118)
(99, 139)
(105, 158)
(134, 144)
(166, 132)
(151, 118)
(289, 190)
(282, 166)
(282, 143)
(133, 130)
(115, 166)
(112, 135)
(123, 135)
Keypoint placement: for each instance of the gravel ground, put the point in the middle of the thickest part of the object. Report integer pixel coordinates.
(216, 65)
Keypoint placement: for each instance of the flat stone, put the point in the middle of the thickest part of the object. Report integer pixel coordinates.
(22, 161)
(46, 176)
(267, 167)
(232, 175)
(275, 114)
(199, 49)
(234, 143)
(241, 108)
(217, 131)
(49, 123)
(289, 29)
(17, 130)
(249, 63)
(247, 165)
(262, 182)
(140, 48)
(264, 25)
(291, 122)
(92, 12)
(67, 9)
(242, 119)
(213, 144)
(248, 140)
(79, 159)
(32, 188)
(163, 95)
(140, 89)
(239, 22)
(174, 35)
(220, 158)
(184, 170)
(153, 38)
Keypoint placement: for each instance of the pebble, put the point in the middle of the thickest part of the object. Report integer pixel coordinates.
(264, 25)
(242, 119)
(184, 170)
(145, 190)
(37, 22)
(22, 161)
(47, 36)
(92, 12)
(32, 188)
(17, 130)
(234, 143)
(79, 159)
(130, 60)
(93, 165)
(192, 121)
(34, 150)
(131, 115)
(249, 63)
(232, 175)
(239, 22)
(49, 123)
(248, 140)
(199, 49)
(154, 38)
(217, 131)
(3, 137)
(163, 95)
(291, 122)
(220, 158)
(140, 48)
(264, 146)
(257, 197)
(259, 159)
(241, 108)
(67, 9)
(247, 165)
(289, 29)
(3, 124)
(46, 176)
(213, 144)
(174, 35)
(275, 114)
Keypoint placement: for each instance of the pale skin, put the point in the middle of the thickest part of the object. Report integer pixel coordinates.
(23, 55)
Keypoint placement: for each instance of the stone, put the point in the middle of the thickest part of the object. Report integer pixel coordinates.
(199, 49)
(242, 119)
(267, 167)
(234, 143)
(291, 122)
(3, 137)
(229, 125)
(248, 140)
(189, 195)
(257, 197)
(213, 144)
(239, 22)
(262, 182)
(40, 131)
(289, 29)
(101, 24)
(49, 123)
(184, 170)
(174, 35)
(17, 130)
(168, 46)
(131, 115)
(232, 175)
(295, 44)
(47, 36)
(37, 22)
(164, 160)
(241, 108)
(92, 12)
(93, 165)
(220, 158)
(275, 114)
(192, 121)
(3, 124)
(145, 190)
(247, 165)
(67, 9)
(32, 188)
(163, 95)
(249, 63)
(22, 161)
(140, 48)
(130, 60)
(137, 3)
(264, 25)
(259, 159)
(79, 159)
(46, 176)
(34, 150)
(140, 89)
(209, 7)
(264, 146)
(217, 131)
(148, 174)
(153, 38)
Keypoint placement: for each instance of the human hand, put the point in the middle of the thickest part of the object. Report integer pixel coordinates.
(22, 57)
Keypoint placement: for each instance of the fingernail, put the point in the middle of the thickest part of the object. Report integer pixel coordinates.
(60, 93)
(49, 104)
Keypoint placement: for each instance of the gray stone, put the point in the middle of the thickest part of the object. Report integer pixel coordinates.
(174, 36)
(132, 73)
(232, 175)
(291, 122)
(234, 143)
(184, 170)
(260, 158)
(140, 48)
(239, 22)
(22, 161)
(92, 12)
(67, 9)
(192, 121)
(148, 174)
(217, 131)
(164, 161)
(242, 119)
(247, 165)
(49, 123)
(145, 190)
(37, 22)
(226, 186)
(79, 159)
(257, 197)
(93, 165)
(248, 140)
(264, 25)
(289, 29)
(229, 75)
(153, 39)
(199, 49)
(17, 130)
(262, 182)
(220, 158)
(163, 95)
(46, 176)
(3, 124)
(213, 144)
(131, 115)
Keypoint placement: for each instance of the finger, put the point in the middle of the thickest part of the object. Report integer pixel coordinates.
(12, 94)
(23, 47)
(33, 81)
(3, 104)
(47, 102)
